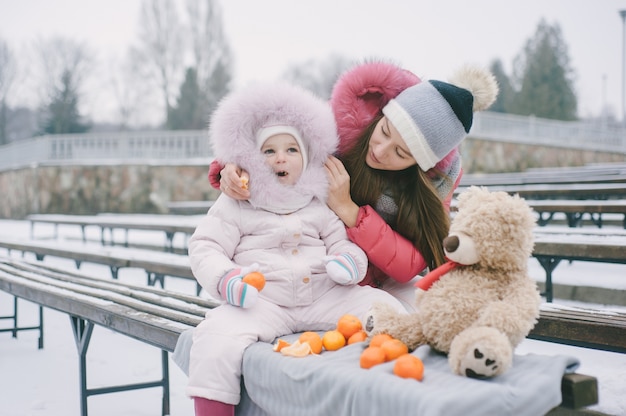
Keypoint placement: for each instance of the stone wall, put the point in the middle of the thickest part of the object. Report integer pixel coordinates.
(90, 189)
(485, 156)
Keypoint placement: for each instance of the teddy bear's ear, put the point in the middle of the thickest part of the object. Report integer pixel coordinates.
(470, 193)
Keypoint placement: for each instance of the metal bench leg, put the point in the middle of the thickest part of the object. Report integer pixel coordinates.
(169, 236)
(548, 264)
(153, 278)
(574, 218)
(165, 408)
(114, 272)
(544, 220)
(82, 334)
(15, 328)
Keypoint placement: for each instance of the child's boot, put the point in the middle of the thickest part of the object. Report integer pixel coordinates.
(206, 407)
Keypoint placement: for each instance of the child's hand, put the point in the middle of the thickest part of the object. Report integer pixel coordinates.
(236, 292)
(342, 269)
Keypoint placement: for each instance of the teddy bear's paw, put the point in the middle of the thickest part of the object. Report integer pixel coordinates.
(480, 353)
(480, 363)
(376, 318)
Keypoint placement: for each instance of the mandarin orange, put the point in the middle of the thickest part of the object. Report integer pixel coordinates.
(348, 325)
(394, 348)
(409, 366)
(314, 340)
(255, 279)
(378, 339)
(372, 356)
(280, 344)
(358, 336)
(333, 340)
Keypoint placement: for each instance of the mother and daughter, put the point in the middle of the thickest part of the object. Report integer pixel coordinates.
(331, 234)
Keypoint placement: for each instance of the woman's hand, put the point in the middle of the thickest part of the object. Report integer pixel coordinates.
(339, 199)
(234, 182)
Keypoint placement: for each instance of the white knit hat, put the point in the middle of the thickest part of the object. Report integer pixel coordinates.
(433, 117)
(266, 132)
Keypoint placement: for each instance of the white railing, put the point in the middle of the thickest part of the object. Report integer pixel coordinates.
(539, 131)
(163, 146)
(111, 147)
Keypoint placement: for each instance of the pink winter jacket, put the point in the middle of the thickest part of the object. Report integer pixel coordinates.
(390, 254)
(291, 259)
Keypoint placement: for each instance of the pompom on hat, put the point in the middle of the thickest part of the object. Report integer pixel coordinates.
(433, 117)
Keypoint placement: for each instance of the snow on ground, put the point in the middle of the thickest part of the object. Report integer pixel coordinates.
(45, 382)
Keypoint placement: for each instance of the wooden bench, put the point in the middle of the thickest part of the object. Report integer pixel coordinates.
(553, 244)
(569, 191)
(575, 210)
(158, 317)
(168, 224)
(189, 207)
(604, 173)
(156, 264)
(150, 315)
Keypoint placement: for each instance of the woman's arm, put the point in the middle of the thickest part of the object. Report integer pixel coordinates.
(393, 254)
(339, 199)
(230, 179)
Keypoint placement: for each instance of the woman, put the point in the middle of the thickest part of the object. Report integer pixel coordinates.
(397, 167)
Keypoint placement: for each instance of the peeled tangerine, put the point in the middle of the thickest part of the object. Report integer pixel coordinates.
(297, 349)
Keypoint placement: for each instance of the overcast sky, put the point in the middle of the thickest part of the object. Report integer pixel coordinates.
(430, 38)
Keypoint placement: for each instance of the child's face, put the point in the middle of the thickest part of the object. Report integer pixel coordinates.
(282, 154)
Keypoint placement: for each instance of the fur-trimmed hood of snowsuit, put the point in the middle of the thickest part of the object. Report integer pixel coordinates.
(360, 94)
(233, 131)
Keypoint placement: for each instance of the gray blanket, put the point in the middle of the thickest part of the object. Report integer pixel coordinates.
(334, 383)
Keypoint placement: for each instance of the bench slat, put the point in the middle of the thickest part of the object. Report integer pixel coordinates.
(581, 327)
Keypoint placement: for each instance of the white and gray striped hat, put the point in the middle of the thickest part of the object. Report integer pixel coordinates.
(433, 117)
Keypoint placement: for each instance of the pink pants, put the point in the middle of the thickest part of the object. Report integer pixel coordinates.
(221, 338)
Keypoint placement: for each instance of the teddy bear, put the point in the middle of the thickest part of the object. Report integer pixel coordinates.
(480, 304)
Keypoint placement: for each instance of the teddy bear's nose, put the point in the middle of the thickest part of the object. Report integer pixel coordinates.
(451, 243)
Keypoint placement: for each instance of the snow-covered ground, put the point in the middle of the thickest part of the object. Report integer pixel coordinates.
(45, 382)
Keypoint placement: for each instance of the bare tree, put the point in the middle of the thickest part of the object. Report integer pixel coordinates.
(8, 70)
(318, 76)
(62, 67)
(160, 52)
(134, 98)
(212, 55)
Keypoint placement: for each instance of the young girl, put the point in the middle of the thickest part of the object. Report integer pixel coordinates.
(281, 135)
(398, 165)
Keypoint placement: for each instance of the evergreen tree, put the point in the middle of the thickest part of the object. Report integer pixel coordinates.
(190, 110)
(218, 85)
(544, 77)
(62, 111)
(507, 93)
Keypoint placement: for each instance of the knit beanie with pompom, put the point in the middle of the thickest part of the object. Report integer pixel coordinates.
(433, 117)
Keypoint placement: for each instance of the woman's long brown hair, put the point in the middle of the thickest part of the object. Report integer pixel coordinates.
(421, 218)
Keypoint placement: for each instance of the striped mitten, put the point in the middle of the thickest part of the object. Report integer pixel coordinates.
(236, 292)
(342, 269)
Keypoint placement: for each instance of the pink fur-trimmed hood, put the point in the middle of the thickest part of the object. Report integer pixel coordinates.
(240, 115)
(360, 94)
